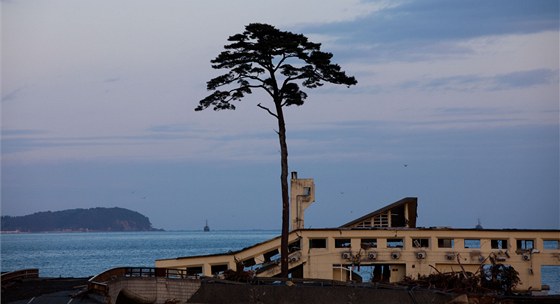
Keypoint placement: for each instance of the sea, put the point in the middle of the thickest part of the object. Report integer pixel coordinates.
(84, 254)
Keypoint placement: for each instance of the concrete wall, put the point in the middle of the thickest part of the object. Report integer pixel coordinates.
(233, 294)
(302, 194)
(154, 290)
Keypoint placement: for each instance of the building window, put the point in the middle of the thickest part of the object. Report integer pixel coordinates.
(217, 269)
(550, 244)
(317, 243)
(525, 244)
(421, 243)
(249, 262)
(194, 271)
(395, 243)
(342, 243)
(445, 243)
(499, 244)
(368, 243)
(364, 224)
(381, 220)
(294, 246)
(472, 243)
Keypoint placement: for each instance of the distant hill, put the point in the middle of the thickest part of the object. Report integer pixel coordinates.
(93, 219)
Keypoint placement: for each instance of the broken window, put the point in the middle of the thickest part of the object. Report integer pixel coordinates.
(171, 273)
(249, 262)
(306, 190)
(525, 244)
(294, 246)
(217, 269)
(398, 217)
(342, 243)
(472, 243)
(271, 255)
(317, 243)
(395, 243)
(194, 271)
(421, 243)
(368, 243)
(499, 244)
(550, 244)
(445, 243)
(250, 265)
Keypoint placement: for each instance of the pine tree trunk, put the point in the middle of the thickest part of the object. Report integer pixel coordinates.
(285, 194)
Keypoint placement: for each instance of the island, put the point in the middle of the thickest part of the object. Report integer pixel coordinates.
(76, 220)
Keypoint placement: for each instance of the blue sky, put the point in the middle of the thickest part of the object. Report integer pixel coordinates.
(98, 105)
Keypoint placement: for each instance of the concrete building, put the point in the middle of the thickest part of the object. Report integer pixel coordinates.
(384, 245)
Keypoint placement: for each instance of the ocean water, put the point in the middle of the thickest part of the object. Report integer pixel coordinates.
(87, 254)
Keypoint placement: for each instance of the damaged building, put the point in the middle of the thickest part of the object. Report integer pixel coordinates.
(383, 246)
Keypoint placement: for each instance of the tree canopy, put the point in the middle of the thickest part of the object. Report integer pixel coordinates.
(279, 62)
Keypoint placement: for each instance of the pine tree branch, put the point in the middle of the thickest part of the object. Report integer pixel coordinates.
(268, 110)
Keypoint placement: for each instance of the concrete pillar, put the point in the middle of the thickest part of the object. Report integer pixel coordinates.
(302, 194)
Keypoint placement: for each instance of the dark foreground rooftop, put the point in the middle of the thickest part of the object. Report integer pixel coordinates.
(46, 291)
(73, 290)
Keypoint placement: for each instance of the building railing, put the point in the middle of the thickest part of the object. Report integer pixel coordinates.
(31, 273)
(99, 282)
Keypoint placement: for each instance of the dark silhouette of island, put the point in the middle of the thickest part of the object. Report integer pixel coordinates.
(93, 219)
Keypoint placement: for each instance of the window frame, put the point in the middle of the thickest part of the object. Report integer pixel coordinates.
(470, 247)
(372, 243)
(421, 242)
(551, 241)
(499, 244)
(521, 244)
(446, 242)
(342, 243)
(395, 240)
(315, 240)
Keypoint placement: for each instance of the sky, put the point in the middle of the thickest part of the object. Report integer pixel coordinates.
(457, 103)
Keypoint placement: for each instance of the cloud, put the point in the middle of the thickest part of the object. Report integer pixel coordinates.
(20, 132)
(447, 20)
(458, 82)
(162, 142)
(525, 79)
(17, 144)
(19, 140)
(414, 29)
(170, 129)
(514, 80)
(13, 94)
(111, 79)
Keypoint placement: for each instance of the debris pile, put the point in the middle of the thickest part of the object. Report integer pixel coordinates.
(494, 278)
(238, 275)
(456, 282)
(499, 277)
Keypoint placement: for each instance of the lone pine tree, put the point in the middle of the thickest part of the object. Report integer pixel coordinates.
(280, 63)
